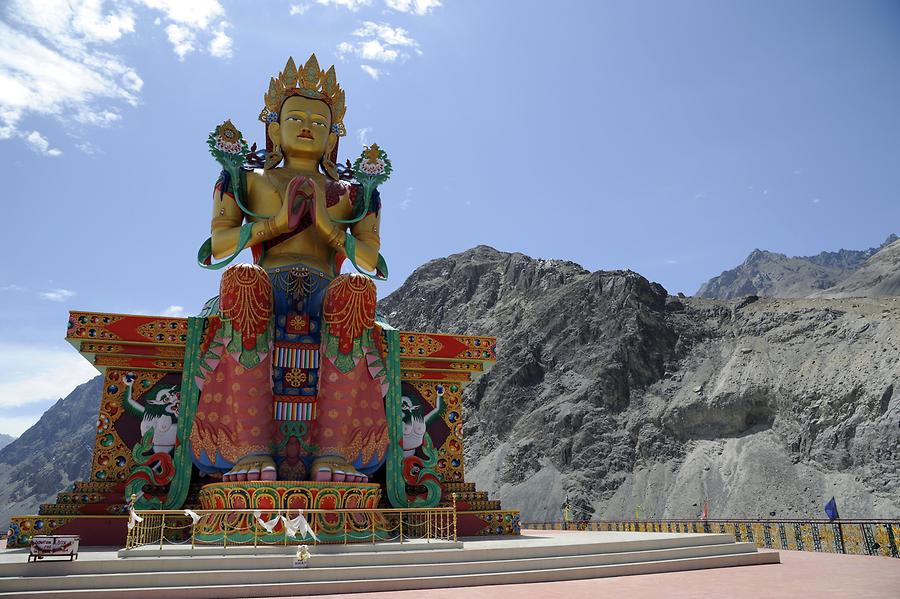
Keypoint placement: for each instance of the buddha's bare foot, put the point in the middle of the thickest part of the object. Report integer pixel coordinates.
(251, 468)
(336, 469)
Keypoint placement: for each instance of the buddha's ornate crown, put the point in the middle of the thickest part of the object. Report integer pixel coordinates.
(309, 82)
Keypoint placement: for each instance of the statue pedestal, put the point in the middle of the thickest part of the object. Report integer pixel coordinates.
(289, 495)
(153, 347)
(274, 498)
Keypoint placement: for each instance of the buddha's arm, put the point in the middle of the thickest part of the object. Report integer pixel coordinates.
(368, 241)
(226, 225)
(367, 238)
(366, 232)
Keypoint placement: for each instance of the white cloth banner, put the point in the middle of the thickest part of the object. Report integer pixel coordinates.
(270, 525)
(133, 518)
(298, 524)
(194, 515)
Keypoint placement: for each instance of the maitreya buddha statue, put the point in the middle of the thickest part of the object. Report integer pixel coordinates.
(295, 387)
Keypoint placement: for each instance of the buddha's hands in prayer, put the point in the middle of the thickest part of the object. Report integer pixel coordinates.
(300, 199)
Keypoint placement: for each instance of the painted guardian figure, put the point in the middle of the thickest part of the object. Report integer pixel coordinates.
(293, 382)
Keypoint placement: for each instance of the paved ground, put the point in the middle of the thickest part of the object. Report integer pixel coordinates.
(801, 574)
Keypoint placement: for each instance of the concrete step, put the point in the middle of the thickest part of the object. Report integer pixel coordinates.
(210, 557)
(321, 580)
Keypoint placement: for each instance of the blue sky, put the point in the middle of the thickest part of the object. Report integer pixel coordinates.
(667, 137)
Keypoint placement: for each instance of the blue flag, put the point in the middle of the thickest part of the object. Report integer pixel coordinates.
(831, 509)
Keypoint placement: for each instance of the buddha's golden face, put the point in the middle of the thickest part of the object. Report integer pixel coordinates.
(304, 127)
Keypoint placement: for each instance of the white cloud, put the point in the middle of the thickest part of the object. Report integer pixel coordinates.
(56, 295)
(88, 148)
(39, 144)
(99, 27)
(418, 7)
(394, 36)
(671, 261)
(816, 200)
(381, 43)
(13, 287)
(374, 50)
(298, 9)
(196, 14)
(363, 134)
(187, 20)
(353, 5)
(30, 374)
(182, 39)
(221, 44)
(371, 71)
(10, 424)
(173, 311)
(408, 199)
(54, 58)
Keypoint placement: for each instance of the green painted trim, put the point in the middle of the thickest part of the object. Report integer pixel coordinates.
(381, 268)
(204, 254)
(396, 486)
(190, 398)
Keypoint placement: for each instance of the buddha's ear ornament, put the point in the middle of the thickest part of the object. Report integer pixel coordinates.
(273, 158)
(329, 160)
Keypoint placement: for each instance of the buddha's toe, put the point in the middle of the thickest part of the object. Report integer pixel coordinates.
(268, 473)
(323, 475)
(338, 476)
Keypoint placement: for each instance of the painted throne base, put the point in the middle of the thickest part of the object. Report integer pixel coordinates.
(288, 498)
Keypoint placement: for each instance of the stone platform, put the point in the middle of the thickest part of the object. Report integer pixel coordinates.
(180, 571)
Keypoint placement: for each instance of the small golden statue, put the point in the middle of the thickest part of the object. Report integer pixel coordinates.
(293, 379)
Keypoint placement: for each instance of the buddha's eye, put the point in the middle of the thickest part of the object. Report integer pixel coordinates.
(293, 118)
(319, 123)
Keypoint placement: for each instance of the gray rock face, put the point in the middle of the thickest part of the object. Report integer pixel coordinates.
(51, 455)
(768, 274)
(625, 399)
(6, 440)
(878, 276)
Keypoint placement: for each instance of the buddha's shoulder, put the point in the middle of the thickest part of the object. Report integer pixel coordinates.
(259, 179)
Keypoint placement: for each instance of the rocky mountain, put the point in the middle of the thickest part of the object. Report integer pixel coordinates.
(6, 440)
(878, 276)
(768, 274)
(623, 398)
(51, 455)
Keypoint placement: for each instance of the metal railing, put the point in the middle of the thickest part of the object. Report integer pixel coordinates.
(270, 527)
(856, 537)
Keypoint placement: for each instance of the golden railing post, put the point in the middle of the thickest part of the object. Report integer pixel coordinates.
(454, 517)
(162, 530)
(193, 538)
(401, 527)
(372, 516)
(346, 524)
(225, 530)
(255, 526)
